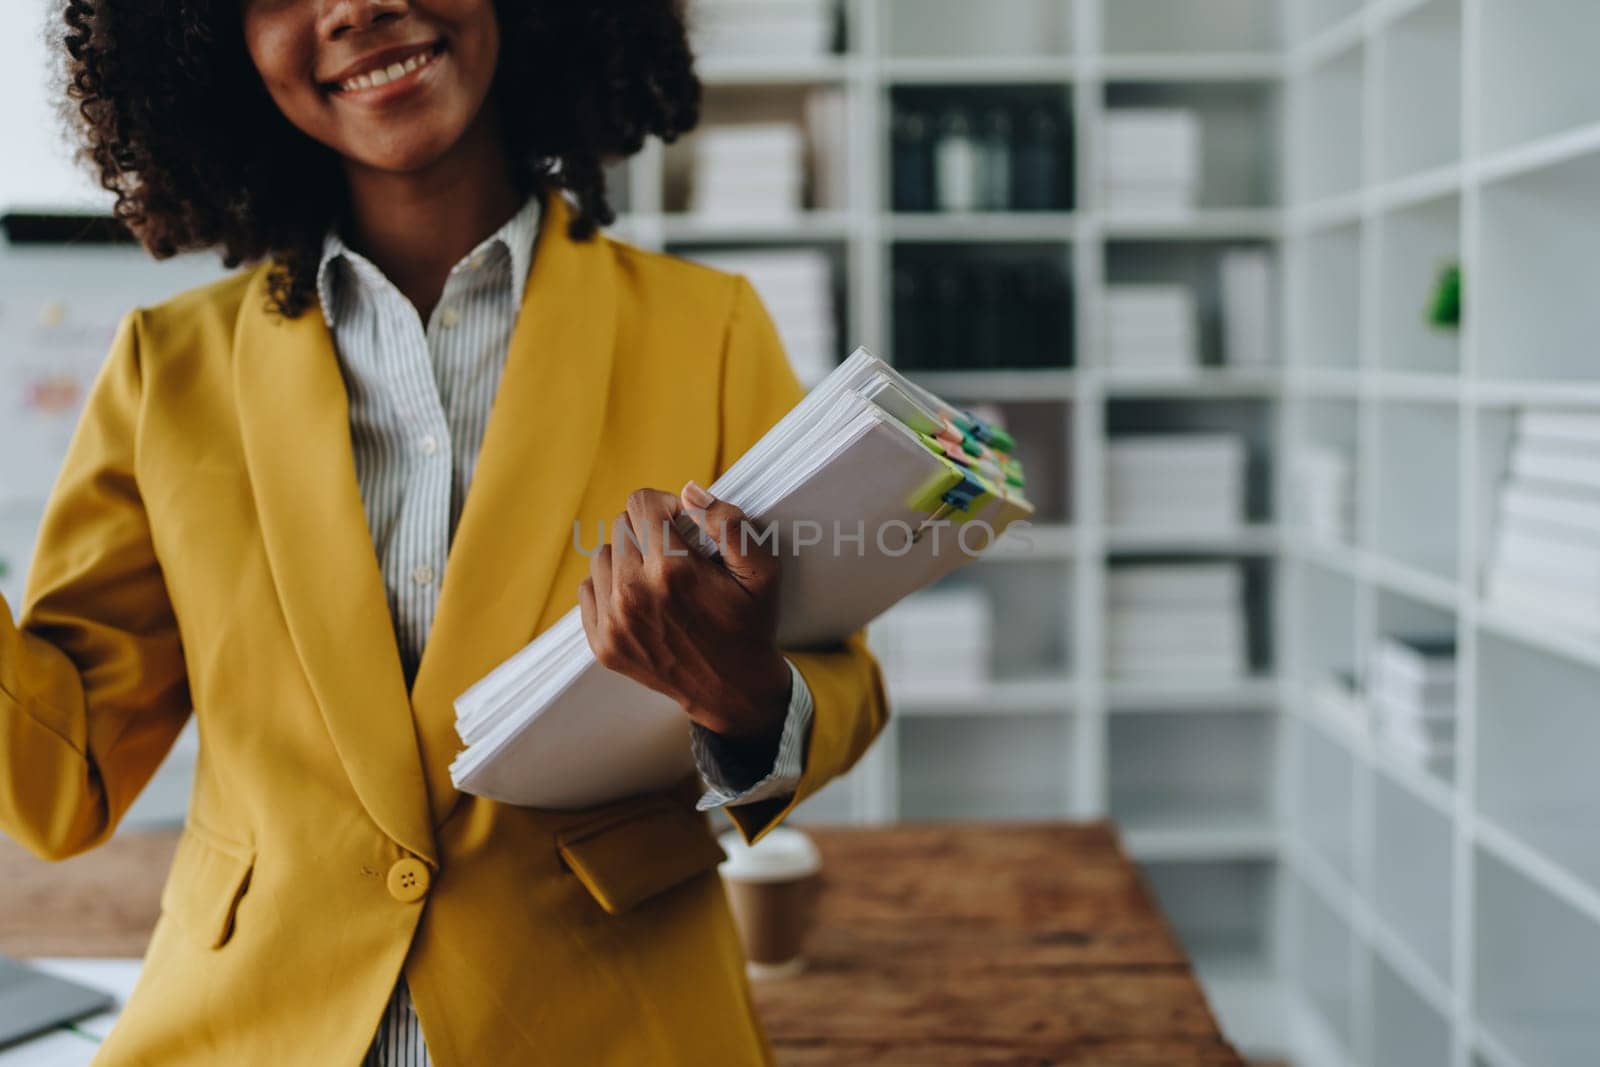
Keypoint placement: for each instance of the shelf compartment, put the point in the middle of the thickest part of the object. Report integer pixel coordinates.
(1534, 306)
(1238, 135)
(1222, 910)
(1324, 954)
(1326, 628)
(1192, 772)
(818, 111)
(1327, 293)
(1537, 967)
(1179, 27)
(1322, 800)
(1197, 266)
(1413, 876)
(984, 768)
(1329, 158)
(1536, 68)
(1016, 29)
(989, 149)
(982, 307)
(1418, 486)
(1420, 122)
(1415, 246)
(1406, 1029)
(1251, 418)
(1536, 736)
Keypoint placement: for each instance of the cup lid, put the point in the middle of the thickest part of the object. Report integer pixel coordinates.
(782, 855)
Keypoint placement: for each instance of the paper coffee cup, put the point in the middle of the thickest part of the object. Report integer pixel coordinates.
(773, 888)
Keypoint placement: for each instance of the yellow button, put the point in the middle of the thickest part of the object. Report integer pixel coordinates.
(408, 880)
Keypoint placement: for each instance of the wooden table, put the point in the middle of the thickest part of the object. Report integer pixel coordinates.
(977, 946)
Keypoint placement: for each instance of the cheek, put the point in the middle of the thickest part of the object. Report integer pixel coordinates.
(282, 54)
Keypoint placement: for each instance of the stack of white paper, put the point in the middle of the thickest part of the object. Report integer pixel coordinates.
(1176, 621)
(796, 285)
(1545, 560)
(1190, 482)
(839, 484)
(935, 642)
(749, 172)
(1152, 161)
(1151, 328)
(1413, 693)
(1322, 485)
(771, 29)
(1248, 282)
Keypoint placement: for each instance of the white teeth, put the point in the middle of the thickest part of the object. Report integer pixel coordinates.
(385, 75)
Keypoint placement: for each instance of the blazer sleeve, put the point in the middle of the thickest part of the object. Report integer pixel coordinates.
(93, 688)
(759, 388)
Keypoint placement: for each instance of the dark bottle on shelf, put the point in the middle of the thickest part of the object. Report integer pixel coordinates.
(913, 162)
(910, 317)
(991, 311)
(951, 313)
(1040, 163)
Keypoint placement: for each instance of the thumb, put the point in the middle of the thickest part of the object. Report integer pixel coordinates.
(744, 551)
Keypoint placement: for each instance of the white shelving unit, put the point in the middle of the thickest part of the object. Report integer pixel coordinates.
(1435, 921)
(1190, 770)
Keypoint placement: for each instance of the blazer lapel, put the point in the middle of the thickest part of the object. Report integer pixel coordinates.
(543, 436)
(294, 418)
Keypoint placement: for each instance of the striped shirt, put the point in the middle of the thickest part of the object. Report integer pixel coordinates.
(420, 397)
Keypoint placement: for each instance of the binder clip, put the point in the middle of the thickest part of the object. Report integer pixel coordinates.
(960, 497)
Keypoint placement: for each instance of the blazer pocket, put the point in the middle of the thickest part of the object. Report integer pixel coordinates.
(209, 877)
(627, 858)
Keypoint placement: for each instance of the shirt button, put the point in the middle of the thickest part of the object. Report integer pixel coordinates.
(430, 445)
(409, 880)
(422, 575)
(449, 318)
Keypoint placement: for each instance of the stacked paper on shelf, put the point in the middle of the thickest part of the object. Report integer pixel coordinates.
(1152, 161)
(845, 487)
(1323, 491)
(935, 642)
(1189, 482)
(1151, 328)
(1412, 687)
(1247, 279)
(749, 171)
(1336, 697)
(1174, 620)
(770, 29)
(1545, 559)
(796, 285)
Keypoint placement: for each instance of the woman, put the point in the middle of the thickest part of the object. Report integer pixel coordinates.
(265, 517)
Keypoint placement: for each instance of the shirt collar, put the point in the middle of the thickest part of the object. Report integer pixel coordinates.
(517, 237)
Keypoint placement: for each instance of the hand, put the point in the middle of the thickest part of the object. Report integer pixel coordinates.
(701, 631)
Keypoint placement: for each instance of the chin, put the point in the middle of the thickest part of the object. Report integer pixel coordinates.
(413, 151)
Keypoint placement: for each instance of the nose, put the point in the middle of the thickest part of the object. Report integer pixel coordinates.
(340, 17)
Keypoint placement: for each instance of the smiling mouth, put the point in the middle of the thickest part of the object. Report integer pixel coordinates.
(399, 70)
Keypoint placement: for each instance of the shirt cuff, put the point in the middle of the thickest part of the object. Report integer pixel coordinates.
(728, 784)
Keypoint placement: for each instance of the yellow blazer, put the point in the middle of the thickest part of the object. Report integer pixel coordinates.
(206, 548)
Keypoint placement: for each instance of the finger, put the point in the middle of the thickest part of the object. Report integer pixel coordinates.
(744, 553)
(625, 562)
(588, 610)
(653, 514)
(600, 583)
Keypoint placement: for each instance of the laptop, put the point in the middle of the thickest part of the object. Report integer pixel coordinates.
(32, 1002)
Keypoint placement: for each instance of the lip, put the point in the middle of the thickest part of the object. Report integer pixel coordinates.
(379, 60)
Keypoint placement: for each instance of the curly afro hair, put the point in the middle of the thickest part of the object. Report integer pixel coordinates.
(167, 107)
